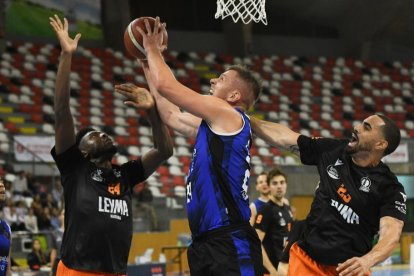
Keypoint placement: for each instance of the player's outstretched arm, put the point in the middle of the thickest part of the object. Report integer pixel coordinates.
(64, 127)
(163, 145)
(276, 134)
(183, 122)
(217, 112)
(389, 236)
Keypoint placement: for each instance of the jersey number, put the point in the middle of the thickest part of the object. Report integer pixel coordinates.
(115, 189)
(189, 196)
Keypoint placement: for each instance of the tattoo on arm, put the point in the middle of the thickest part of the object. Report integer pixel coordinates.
(294, 149)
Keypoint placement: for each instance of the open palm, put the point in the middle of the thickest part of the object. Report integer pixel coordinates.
(66, 43)
(135, 96)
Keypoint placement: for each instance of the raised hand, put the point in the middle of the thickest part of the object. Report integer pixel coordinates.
(67, 44)
(153, 38)
(135, 96)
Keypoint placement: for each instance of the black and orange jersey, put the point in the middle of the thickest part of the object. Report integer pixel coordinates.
(98, 212)
(349, 202)
(274, 220)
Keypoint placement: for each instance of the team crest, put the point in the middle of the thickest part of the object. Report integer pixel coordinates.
(365, 184)
(97, 175)
(117, 173)
(332, 172)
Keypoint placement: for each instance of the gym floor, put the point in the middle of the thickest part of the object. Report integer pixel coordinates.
(392, 270)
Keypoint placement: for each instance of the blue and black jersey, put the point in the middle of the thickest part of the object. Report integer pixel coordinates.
(259, 203)
(5, 239)
(218, 178)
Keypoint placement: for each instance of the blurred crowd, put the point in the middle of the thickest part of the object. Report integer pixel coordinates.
(31, 205)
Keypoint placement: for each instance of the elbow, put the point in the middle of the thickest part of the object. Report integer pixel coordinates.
(163, 85)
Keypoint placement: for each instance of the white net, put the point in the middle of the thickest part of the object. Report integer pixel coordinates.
(246, 10)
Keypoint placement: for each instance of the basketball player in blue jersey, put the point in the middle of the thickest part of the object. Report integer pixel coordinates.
(264, 192)
(357, 196)
(5, 238)
(97, 193)
(224, 243)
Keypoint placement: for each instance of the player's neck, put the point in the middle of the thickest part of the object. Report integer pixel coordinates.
(277, 201)
(368, 160)
(264, 197)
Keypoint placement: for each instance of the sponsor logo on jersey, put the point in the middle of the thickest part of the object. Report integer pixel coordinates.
(404, 196)
(332, 172)
(400, 206)
(115, 207)
(338, 162)
(282, 221)
(115, 189)
(97, 175)
(117, 173)
(346, 212)
(365, 184)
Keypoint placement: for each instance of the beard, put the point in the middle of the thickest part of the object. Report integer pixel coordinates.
(103, 154)
(358, 148)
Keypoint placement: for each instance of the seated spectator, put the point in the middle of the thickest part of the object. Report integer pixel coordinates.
(36, 259)
(20, 185)
(10, 215)
(55, 218)
(30, 221)
(57, 193)
(43, 220)
(49, 201)
(37, 205)
(57, 235)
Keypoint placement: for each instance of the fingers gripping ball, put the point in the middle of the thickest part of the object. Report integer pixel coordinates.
(133, 39)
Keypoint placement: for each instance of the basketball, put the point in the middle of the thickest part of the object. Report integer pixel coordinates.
(133, 39)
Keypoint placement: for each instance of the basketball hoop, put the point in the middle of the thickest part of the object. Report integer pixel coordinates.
(246, 10)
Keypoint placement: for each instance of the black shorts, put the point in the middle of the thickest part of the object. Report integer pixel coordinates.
(227, 251)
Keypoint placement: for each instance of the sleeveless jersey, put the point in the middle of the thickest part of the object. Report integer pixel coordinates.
(349, 202)
(98, 212)
(259, 203)
(218, 178)
(5, 238)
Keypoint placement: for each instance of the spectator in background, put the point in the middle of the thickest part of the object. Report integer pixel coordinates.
(263, 188)
(49, 202)
(36, 259)
(10, 215)
(57, 193)
(37, 205)
(30, 221)
(57, 235)
(20, 185)
(21, 210)
(55, 218)
(44, 219)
